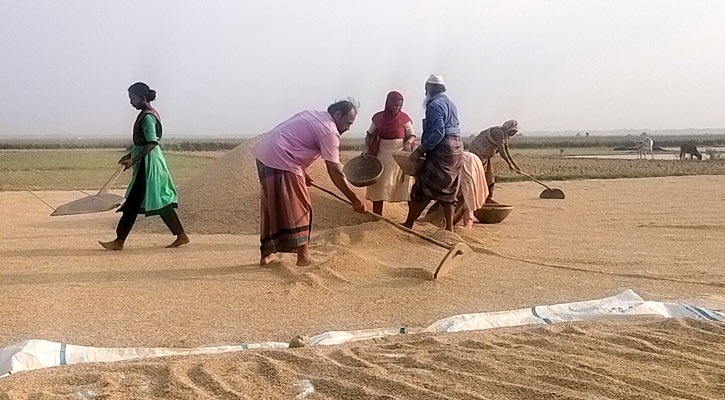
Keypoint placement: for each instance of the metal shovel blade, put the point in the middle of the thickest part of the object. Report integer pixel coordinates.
(101, 201)
(552, 194)
(459, 254)
(90, 204)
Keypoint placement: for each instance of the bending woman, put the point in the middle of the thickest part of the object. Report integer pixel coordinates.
(491, 141)
(151, 191)
(471, 195)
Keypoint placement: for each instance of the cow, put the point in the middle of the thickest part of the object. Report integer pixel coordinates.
(690, 149)
(645, 145)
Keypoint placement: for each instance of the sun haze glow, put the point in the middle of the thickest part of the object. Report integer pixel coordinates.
(232, 68)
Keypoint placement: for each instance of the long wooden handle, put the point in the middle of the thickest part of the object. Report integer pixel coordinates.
(533, 179)
(111, 180)
(388, 220)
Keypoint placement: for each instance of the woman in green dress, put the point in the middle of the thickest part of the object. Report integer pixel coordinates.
(151, 191)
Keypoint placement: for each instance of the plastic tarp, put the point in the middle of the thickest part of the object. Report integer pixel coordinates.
(36, 354)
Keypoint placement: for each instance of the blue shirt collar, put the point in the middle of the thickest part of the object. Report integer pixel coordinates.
(437, 96)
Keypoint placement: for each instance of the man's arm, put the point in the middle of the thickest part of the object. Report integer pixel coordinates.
(434, 114)
(338, 178)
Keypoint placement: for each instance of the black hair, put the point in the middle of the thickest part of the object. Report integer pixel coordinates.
(343, 106)
(143, 90)
(435, 88)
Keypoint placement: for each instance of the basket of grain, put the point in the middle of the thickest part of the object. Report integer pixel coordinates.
(363, 170)
(409, 165)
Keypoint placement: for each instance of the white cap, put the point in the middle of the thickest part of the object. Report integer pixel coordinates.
(436, 79)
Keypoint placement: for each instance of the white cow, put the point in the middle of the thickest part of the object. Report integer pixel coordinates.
(645, 145)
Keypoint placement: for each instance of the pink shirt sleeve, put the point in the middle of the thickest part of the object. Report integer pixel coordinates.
(330, 147)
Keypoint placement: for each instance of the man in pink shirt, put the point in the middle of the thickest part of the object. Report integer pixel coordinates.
(283, 155)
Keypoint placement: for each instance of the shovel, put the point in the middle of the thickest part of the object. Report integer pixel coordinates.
(458, 254)
(101, 201)
(549, 193)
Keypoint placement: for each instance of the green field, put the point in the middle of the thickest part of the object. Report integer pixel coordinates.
(68, 169)
(559, 168)
(78, 169)
(357, 143)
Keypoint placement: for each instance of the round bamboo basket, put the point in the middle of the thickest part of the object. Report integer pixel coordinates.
(407, 164)
(492, 213)
(363, 170)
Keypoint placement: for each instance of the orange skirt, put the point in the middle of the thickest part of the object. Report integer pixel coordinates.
(286, 211)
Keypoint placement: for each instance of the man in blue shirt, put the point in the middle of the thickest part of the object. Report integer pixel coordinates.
(439, 176)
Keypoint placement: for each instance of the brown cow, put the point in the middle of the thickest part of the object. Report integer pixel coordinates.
(690, 149)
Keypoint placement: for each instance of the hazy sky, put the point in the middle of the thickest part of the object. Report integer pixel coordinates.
(239, 67)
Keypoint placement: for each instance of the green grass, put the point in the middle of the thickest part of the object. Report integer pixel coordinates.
(575, 143)
(94, 144)
(533, 142)
(548, 165)
(357, 144)
(89, 169)
(78, 169)
(558, 168)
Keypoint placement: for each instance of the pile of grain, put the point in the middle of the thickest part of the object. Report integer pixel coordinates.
(225, 197)
(360, 255)
(650, 359)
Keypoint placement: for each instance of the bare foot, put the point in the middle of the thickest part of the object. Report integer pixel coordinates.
(112, 245)
(181, 240)
(268, 259)
(304, 261)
